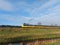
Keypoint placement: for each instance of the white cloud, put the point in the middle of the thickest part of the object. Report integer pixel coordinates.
(47, 19)
(50, 19)
(53, 11)
(4, 5)
(51, 3)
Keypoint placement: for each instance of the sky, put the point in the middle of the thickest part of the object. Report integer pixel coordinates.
(17, 12)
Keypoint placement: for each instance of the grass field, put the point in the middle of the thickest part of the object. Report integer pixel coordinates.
(8, 34)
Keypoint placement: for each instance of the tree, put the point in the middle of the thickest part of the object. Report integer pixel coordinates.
(39, 23)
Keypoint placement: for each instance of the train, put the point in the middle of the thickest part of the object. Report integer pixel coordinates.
(26, 25)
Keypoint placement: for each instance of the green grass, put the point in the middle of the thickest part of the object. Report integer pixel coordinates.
(17, 34)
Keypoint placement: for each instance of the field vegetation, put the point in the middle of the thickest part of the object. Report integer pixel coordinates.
(13, 34)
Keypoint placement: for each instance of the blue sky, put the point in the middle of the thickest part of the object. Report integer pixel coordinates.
(17, 12)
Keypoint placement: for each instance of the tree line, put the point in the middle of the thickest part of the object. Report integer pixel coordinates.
(9, 26)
